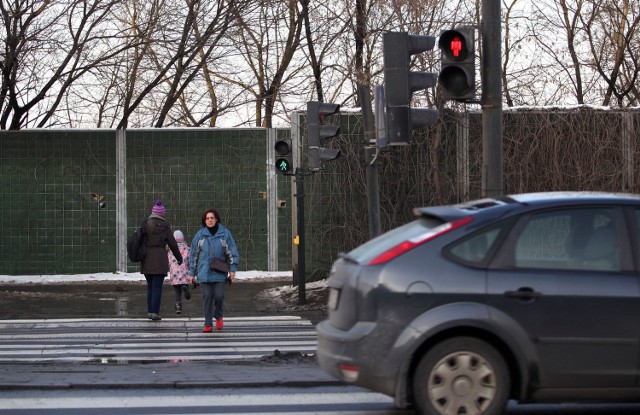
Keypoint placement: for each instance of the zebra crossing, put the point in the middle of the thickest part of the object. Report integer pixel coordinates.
(122, 340)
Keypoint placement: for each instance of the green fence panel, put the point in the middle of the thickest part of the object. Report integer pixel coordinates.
(191, 170)
(55, 215)
(58, 194)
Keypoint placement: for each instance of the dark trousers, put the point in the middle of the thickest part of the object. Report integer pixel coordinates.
(154, 292)
(177, 289)
(212, 293)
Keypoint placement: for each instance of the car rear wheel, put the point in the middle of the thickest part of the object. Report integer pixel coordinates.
(461, 375)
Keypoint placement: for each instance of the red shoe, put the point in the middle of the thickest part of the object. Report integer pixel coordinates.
(207, 329)
(219, 324)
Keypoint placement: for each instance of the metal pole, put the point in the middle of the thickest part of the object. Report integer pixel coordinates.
(373, 191)
(373, 186)
(491, 68)
(302, 297)
(272, 202)
(121, 200)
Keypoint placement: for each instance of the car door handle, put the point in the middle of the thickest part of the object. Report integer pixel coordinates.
(524, 293)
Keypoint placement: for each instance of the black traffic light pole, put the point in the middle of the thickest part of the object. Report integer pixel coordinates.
(302, 295)
(318, 154)
(373, 185)
(299, 178)
(492, 141)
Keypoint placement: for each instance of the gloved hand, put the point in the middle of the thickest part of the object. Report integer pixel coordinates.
(180, 262)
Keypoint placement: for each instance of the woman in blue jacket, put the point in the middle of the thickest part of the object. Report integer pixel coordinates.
(213, 240)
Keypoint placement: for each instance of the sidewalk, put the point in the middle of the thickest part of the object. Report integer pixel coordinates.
(128, 299)
(162, 375)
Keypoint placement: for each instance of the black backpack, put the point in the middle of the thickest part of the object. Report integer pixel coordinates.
(137, 244)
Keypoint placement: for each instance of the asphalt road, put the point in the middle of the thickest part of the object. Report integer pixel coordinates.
(128, 300)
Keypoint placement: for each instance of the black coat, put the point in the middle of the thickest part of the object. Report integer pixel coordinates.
(159, 235)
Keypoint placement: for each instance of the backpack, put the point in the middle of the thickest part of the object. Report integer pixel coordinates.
(137, 245)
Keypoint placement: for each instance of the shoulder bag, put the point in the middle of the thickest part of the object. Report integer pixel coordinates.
(217, 264)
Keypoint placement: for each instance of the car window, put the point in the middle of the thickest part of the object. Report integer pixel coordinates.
(473, 251)
(637, 210)
(580, 239)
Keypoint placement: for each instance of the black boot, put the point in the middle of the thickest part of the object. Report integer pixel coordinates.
(187, 293)
(178, 308)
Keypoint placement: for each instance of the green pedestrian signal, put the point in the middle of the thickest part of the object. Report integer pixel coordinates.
(284, 156)
(283, 165)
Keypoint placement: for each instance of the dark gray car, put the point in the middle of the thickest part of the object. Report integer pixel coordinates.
(529, 297)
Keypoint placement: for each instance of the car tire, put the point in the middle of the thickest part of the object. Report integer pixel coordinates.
(461, 375)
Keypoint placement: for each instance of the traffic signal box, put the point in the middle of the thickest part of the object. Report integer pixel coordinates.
(458, 68)
(400, 83)
(320, 133)
(284, 156)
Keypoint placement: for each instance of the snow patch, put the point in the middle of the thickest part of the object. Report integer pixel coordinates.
(126, 276)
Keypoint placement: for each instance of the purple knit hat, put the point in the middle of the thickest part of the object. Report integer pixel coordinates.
(158, 209)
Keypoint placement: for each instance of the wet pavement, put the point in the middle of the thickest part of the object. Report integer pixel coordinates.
(93, 299)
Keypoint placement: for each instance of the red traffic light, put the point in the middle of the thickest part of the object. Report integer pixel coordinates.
(456, 44)
(457, 64)
(326, 109)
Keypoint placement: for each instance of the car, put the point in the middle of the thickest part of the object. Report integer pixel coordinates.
(529, 297)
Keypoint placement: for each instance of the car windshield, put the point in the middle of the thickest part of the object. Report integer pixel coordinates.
(376, 246)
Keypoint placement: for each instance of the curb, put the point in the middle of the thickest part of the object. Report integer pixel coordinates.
(188, 375)
(173, 385)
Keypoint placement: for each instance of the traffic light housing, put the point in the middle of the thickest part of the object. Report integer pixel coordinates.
(319, 133)
(284, 156)
(457, 64)
(400, 83)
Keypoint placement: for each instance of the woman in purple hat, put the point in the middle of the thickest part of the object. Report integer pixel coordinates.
(155, 265)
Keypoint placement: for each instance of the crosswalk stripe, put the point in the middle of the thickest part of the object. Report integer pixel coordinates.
(51, 337)
(145, 323)
(242, 401)
(86, 340)
(186, 401)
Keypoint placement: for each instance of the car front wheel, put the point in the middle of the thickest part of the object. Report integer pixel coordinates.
(461, 375)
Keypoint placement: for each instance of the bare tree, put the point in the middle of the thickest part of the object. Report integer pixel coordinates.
(49, 46)
(267, 40)
(510, 47)
(322, 45)
(193, 57)
(115, 63)
(612, 28)
(175, 40)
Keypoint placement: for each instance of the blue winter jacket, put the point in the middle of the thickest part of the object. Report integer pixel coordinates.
(201, 257)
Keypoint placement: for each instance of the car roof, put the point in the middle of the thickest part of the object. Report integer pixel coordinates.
(501, 205)
(575, 197)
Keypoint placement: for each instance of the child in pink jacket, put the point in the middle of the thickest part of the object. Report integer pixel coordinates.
(179, 274)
